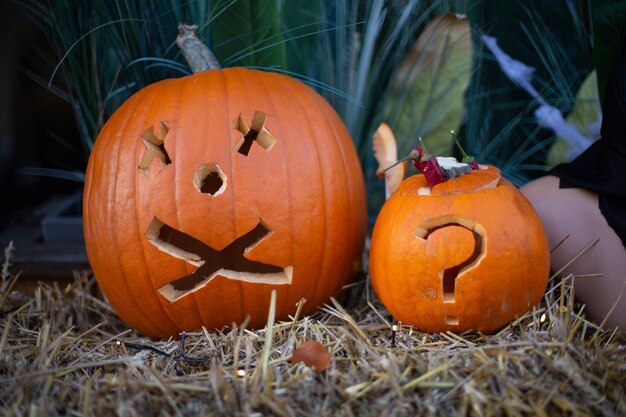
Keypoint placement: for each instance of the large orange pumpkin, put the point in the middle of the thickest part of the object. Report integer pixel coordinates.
(205, 193)
(468, 254)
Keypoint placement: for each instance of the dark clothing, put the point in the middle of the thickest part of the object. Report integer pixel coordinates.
(602, 167)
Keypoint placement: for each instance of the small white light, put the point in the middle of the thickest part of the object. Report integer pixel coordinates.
(543, 318)
(241, 373)
(394, 328)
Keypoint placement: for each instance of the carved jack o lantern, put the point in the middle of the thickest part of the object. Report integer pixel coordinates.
(468, 254)
(205, 193)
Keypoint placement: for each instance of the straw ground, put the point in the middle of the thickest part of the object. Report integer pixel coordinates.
(65, 352)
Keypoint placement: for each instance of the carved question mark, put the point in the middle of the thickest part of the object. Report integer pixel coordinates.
(449, 275)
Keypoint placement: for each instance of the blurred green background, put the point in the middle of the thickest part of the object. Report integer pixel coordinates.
(420, 66)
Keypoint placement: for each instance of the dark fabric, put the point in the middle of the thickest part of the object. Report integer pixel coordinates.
(602, 167)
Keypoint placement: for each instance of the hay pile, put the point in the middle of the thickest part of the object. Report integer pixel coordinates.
(64, 352)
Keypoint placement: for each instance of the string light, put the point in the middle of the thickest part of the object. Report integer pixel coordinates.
(394, 330)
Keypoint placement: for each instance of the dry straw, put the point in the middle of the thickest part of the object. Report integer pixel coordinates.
(65, 352)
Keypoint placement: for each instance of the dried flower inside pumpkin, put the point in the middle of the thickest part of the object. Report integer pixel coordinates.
(438, 169)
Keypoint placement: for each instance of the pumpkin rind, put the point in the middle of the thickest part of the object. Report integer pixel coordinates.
(308, 189)
(506, 279)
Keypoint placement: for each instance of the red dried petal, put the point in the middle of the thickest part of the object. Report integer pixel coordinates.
(429, 166)
(417, 162)
(433, 172)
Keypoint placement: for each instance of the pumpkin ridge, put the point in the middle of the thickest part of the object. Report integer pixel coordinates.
(103, 166)
(167, 92)
(218, 81)
(235, 79)
(264, 77)
(227, 75)
(356, 187)
(118, 142)
(113, 197)
(228, 79)
(270, 111)
(324, 249)
(230, 191)
(136, 175)
(351, 211)
(186, 83)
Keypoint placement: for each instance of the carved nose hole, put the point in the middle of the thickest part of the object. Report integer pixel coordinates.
(210, 179)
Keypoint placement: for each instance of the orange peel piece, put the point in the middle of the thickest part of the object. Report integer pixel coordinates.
(386, 154)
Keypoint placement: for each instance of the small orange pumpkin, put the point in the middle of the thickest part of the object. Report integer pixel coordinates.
(468, 254)
(205, 193)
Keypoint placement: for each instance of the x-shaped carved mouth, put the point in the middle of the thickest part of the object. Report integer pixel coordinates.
(229, 262)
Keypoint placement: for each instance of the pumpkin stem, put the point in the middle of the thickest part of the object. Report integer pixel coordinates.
(198, 55)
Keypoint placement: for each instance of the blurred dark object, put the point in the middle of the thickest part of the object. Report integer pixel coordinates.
(49, 242)
(37, 129)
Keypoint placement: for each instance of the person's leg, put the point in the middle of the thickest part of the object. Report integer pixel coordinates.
(575, 212)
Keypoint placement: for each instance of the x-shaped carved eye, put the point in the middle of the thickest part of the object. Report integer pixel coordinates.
(257, 132)
(229, 262)
(155, 147)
